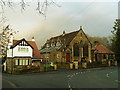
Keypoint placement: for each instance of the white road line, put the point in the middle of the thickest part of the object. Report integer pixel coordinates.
(76, 73)
(68, 75)
(117, 81)
(11, 83)
(107, 75)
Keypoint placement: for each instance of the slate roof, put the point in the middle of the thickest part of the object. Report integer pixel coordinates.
(66, 39)
(102, 49)
(36, 54)
(48, 50)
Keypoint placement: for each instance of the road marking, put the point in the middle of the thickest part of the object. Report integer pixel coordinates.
(117, 81)
(107, 75)
(76, 73)
(11, 83)
(68, 75)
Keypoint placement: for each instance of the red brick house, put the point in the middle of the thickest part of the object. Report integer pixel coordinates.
(101, 53)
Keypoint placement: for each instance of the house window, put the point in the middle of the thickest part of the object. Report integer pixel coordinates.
(27, 50)
(53, 44)
(24, 61)
(104, 56)
(47, 45)
(21, 49)
(58, 44)
(21, 62)
(16, 62)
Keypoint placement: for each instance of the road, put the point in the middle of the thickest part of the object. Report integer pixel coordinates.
(106, 77)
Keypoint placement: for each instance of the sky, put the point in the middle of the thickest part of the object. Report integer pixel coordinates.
(95, 16)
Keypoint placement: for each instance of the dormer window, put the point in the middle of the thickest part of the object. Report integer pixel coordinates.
(47, 45)
(58, 44)
(53, 44)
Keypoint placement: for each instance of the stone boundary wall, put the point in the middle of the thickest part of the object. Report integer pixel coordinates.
(63, 65)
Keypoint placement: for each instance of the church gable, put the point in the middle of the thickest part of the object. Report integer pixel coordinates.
(80, 38)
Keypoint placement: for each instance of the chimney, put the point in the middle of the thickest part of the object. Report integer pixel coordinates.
(33, 39)
(10, 40)
(80, 27)
(96, 42)
(63, 33)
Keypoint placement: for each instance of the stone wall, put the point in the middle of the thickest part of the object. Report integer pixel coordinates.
(63, 65)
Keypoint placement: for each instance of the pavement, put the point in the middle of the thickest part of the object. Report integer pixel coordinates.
(105, 77)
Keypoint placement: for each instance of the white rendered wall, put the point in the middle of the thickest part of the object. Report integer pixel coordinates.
(9, 53)
(16, 53)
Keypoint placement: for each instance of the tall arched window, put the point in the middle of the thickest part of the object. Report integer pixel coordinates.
(76, 50)
(81, 43)
(85, 50)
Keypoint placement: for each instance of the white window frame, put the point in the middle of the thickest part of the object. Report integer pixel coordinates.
(16, 62)
(24, 62)
(21, 62)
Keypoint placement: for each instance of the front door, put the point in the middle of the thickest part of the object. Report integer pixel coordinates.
(95, 57)
(67, 57)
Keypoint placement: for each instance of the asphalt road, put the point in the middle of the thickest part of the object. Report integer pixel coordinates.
(82, 78)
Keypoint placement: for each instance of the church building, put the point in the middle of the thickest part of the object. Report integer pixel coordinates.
(68, 47)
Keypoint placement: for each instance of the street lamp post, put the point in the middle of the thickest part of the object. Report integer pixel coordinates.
(46, 60)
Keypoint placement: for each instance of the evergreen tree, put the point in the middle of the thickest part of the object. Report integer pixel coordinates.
(116, 40)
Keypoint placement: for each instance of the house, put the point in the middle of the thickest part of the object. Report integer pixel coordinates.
(101, 53)
(22, 53)
(67, 48)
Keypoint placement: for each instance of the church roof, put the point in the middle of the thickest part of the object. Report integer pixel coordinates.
(65, 39)
(48, 50)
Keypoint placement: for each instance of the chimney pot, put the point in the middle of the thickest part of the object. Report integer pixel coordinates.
(33, 39)
(63, 33)
(80, 27)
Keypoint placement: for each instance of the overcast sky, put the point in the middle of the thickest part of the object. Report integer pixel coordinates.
(96, 18)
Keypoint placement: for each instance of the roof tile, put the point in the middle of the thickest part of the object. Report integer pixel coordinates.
(36, 53)
(102, 49)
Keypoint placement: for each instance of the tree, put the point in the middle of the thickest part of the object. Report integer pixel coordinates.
(4, 36)
(5, 30)
(103, 40)
(116, 39)
(41, 5)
